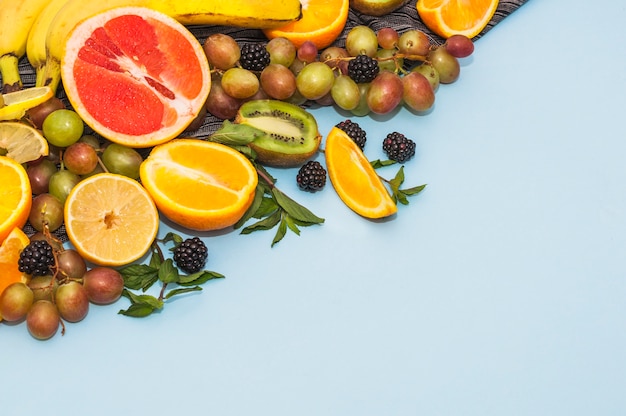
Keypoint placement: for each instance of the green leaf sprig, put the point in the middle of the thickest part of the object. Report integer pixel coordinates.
(399, 195)
(274, 208)
(141, 277)
(271, 207)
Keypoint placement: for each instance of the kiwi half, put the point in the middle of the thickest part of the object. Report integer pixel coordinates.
(291, 133)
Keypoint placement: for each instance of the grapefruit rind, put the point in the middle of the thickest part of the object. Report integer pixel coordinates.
(136, 76)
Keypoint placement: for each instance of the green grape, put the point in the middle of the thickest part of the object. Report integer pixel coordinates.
(122, 160)
(345, 92)
(240, 83)
(315, 80)
(362, 109)
(361, 40)
(63, 127)
(61, 183)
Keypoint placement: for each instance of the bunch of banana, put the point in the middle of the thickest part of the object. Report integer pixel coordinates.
(36, 41)
(47, 37)
(15, 21)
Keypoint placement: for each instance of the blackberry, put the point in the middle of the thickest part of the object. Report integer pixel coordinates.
(37, 258)
(355, 132)
(363, 69)
(398, 147)
(190, 255)
(311, 176)
(254, 57)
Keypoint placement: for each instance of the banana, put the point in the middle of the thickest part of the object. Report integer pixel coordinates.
(15, 21)
(242, 13)
(36, 41)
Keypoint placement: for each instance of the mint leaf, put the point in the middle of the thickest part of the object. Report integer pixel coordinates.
(139, 276)
(167, 272)
(294, 209)
(198, 278)
(235, 134)
(181, 291)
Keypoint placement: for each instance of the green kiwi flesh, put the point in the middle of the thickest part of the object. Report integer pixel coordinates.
(291, 133)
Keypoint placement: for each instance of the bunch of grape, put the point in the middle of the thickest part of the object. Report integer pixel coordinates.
(74, 155)
(62, 287)
(374, 72)
(60, 293)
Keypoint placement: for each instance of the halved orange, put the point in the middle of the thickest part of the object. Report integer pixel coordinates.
(136, 76)
(450, 17)
(199, 185)
(10, 251)
(15, 196)
(322, 22)
(353, 177)
(110, 219)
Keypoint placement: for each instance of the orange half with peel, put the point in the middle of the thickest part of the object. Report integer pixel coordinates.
(136, 76)
(15, 196)
(199, 185)
(451, 17)
(322, 22)
(354, 179)
(10, 251)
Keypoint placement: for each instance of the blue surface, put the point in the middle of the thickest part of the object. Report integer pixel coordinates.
(500, 290)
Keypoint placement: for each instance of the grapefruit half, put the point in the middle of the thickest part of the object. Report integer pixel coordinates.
(136, 76)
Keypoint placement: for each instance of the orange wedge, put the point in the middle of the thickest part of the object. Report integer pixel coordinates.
(15, 196)
(322, 22)
(354, 178)
(199, 185)
(450, 17)
(10, 251)
(110, 219)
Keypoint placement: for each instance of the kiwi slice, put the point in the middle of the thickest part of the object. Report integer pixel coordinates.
(291, 133)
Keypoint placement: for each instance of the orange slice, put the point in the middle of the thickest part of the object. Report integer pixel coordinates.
(198, 184)
(110, 219)
(135, 75)
(10, 251)
(450, 17)
(22, 142)
(322, 22)
(15, 196)
(354, 178)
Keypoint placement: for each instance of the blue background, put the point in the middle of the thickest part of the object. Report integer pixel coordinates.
(499, 290)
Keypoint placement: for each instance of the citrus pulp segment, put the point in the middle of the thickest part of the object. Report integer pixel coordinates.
(450, 17)
(10, 251)
(110, 219)
(199, 185)
(135, 75)
(354, 178)
(322, 22)
(15, 196)
(16, 103)
(22, 142)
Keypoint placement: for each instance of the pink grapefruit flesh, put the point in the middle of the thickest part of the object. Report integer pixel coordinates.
(136, 76)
